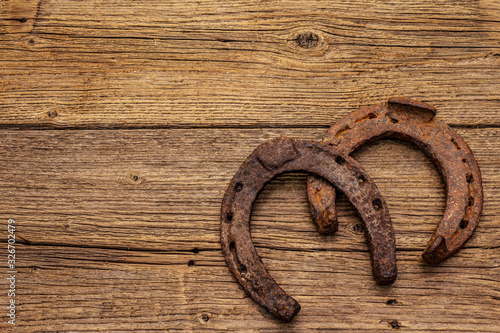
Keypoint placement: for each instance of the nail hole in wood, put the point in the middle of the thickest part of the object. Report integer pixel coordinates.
(395, 324)
(392, 301)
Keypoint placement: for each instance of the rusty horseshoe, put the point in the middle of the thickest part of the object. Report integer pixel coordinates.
(410, 120)
(285, 155)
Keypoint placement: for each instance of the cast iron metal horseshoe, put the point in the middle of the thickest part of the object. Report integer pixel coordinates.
(412, 121)
(284, 155)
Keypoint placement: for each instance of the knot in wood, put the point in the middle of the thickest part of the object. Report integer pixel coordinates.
(307, 40)
(52, 113)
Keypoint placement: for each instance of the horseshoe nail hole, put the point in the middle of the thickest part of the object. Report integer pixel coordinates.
(471, 201)
(229, 216)
(195, 250)
(470, 178)
(392, 302)
(377, 204)
(464, 224)
(455, 143)
(395, 324)
(359, 228)
(238, 187)
(392, 119)
(361, 179)
(368, 116)
(205, 317)
(342, 130)
(464, 160)
(340, 160)
(241, 267)
(191, 263)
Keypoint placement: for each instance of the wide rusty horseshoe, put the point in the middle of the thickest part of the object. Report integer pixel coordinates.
(285, 155)
(410, 120)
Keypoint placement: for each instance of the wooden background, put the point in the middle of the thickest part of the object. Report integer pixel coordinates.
(122, 123)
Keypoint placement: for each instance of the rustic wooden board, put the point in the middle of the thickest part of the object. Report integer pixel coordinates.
(190, 63)
(105, 250)
(121, 124)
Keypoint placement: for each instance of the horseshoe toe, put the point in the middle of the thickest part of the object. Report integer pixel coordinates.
(411, 120)
(285, 155)
(411, 107)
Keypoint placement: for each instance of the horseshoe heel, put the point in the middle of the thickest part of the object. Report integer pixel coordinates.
(410, 120)
(285, 155)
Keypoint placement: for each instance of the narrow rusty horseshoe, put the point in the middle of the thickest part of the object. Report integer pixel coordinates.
(285, 155)
(410, 120)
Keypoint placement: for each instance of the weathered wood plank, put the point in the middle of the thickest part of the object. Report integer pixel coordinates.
(75, 289)
(185, 64)
(108, 251)
(92, 188)
(120, 227)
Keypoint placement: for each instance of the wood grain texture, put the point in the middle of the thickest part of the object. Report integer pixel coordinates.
(122, 123)
(198, 64)
(120, 231)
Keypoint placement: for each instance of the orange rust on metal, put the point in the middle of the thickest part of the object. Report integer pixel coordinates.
(410, 120)
(288, 155)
